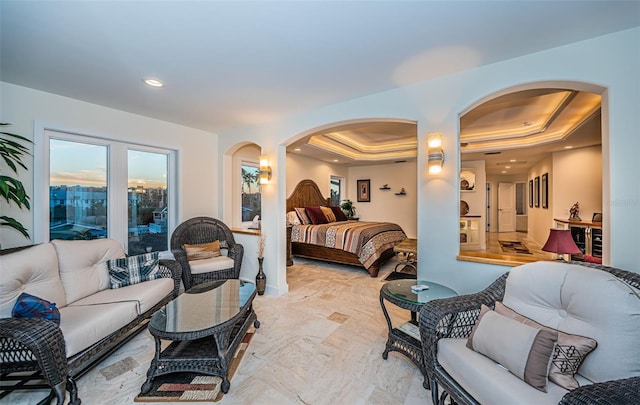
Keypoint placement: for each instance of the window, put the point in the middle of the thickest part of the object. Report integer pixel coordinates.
(336, 190)
(251, 198)
(99, 188)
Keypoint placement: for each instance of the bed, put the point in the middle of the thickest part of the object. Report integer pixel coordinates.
(364, 244)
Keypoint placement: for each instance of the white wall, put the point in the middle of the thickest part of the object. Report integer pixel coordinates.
(197, 150)
(577, 177)
(301, 168)
(385, 205)
(436, 106)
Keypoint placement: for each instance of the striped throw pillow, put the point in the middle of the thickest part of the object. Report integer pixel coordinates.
(134, 269)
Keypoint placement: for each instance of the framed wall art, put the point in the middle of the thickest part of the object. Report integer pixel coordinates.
(536, 191)
(467, 180)
(364, 190)
(531, 193)
(544, 190)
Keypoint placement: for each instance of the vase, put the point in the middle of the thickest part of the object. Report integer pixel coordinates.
(261, 278)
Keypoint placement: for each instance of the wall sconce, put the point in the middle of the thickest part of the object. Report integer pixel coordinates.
(436, 154)
(265, 170)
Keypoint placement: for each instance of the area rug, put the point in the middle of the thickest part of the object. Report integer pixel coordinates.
(514, 247)
(193, 387)
(407, 272)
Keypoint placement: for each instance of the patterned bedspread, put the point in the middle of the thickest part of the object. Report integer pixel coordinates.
(367, 240)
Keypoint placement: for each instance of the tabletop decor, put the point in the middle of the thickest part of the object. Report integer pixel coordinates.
(261, 278)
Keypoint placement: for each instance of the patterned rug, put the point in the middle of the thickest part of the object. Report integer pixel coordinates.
(193, 387)
(514, 247)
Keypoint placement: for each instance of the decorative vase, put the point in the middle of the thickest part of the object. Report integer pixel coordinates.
(261, 278)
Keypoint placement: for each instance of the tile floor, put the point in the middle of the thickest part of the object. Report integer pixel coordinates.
(321, 343)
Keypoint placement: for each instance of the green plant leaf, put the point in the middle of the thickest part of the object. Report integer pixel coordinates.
(12, 223)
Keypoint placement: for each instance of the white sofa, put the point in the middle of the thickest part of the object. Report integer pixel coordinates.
(94, 319)
(596, 302)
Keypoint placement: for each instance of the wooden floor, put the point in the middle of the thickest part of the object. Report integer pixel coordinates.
(319, 344)
(495, 252)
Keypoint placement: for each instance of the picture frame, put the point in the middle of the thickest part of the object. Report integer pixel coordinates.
(536, 191)
(364, 190)
(544, 190)
(531, 193)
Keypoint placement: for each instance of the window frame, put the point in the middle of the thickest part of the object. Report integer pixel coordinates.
(251, 163)
(117, 177)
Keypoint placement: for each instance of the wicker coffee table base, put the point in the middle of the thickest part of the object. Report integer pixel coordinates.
(209, 355)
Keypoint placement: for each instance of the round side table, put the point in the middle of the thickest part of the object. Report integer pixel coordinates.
(405, 338)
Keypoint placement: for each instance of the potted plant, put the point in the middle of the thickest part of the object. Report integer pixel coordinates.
(348, 208)
(12, 189)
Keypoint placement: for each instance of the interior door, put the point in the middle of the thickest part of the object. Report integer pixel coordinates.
(506, 207)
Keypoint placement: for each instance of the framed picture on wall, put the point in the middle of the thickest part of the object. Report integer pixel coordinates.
(531, 193)
(536, 191)
(544, 190)
(364, 190)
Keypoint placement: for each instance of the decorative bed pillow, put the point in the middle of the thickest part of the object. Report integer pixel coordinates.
(328, 213)
(522, 349)
(30, 306)
(568, 355)
(339, 214)
(292, 218)
(134, 269)
(302, 214)
(316, 215)
(202, 250)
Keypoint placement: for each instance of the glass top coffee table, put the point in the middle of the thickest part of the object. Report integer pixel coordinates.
(205, 325)
(405, 338)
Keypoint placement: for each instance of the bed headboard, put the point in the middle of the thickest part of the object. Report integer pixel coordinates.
(306, 194)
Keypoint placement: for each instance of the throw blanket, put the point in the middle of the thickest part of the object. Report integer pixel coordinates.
(367, 240)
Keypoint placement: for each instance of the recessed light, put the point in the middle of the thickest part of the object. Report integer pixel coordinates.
(507, 167)
(568, 147)
(297, 149)
(335, 160)
(153, 82)
(504, 171)
(512, 160)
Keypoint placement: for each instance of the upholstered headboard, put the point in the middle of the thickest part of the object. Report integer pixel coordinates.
(306, 194)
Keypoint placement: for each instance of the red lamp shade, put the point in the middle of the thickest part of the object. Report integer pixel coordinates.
(561, 242)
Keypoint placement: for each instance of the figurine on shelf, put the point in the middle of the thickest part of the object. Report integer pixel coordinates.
(574, 211)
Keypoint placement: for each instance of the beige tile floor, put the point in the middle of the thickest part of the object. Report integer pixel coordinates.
(321, 343)
(494, 251)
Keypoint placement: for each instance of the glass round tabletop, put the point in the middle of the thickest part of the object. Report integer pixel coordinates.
(401, 290)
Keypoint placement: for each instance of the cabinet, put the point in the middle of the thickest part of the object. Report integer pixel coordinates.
(586, 235)
(470, 228)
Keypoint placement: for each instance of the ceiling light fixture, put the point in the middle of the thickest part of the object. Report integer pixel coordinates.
(568, 147)
(512, 160)
(297, 149)
(153, 82)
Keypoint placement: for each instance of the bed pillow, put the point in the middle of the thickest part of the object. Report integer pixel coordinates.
(292, 218)
(522, 349)
(302, 214)
(339, 214)
(202, 251)
(568, 355)
(30, 306)
(134, 269)
(328, 213)
(316, 215)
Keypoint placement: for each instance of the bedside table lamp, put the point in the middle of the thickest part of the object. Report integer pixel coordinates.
(561, 242)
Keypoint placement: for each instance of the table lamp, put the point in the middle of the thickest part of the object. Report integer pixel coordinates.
(561, 242)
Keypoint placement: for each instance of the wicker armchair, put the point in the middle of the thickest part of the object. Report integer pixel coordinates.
(455, 317)
(204, 230)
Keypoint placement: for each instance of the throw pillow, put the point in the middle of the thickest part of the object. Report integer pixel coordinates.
(316, 215)
(134, 269)
(337, 211)
(328, 213)
(522, 349)
(292, 218)
(302, 214)
(30, 306)
(202, 250)
(568, 355)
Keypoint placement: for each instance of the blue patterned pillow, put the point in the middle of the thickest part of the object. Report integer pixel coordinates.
(30, 306)
(134, 269)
